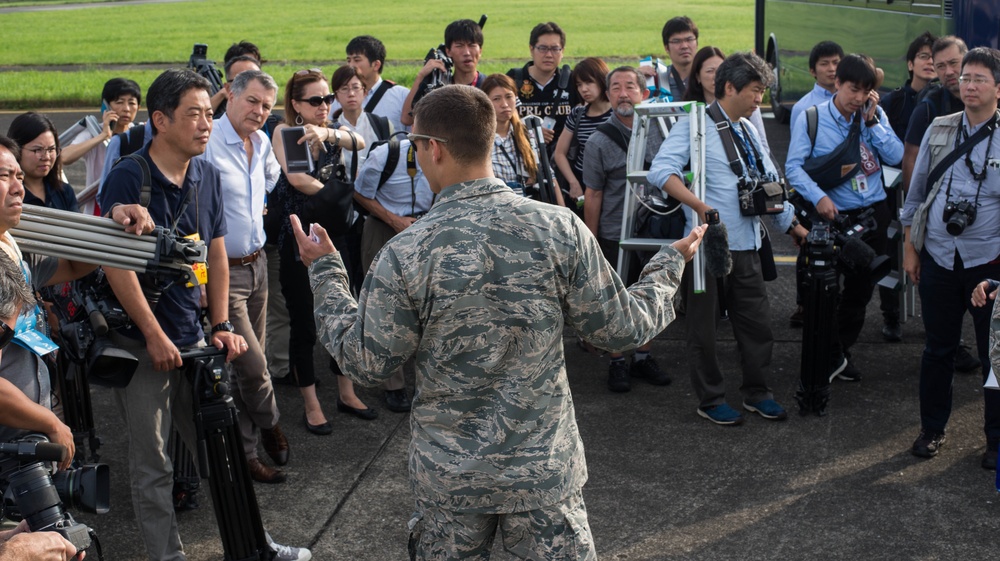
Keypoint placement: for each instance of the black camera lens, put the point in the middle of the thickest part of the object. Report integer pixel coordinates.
(36, 497)
(87, 488)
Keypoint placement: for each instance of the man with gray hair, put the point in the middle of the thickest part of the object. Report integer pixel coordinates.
(247, 171)
(739, 86)
(604, 172)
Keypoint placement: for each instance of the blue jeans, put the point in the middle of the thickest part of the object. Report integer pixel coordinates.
(944, 298)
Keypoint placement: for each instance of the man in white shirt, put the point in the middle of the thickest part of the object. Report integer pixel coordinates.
(247, 170)
(384, 98)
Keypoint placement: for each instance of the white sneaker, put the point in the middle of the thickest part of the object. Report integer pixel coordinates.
(287, 552)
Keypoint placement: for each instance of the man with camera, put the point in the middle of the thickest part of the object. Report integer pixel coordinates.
(850, 122)
(951, 218)
(457, 64)
(16, 410)
(740, 82)
(247, 171)
(480, 299)
(185, 195)
(604, 167)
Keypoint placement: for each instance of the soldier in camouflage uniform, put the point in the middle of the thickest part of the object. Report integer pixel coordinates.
(477, 290)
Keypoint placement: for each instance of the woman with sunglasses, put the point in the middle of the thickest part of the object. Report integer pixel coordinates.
(515, 160)
(307, 103)
(41, 161)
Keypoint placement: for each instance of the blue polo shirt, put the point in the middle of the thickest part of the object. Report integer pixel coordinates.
(179, 307)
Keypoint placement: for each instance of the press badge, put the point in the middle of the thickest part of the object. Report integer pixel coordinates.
(200, 269)
(860, 183)
(30, 338)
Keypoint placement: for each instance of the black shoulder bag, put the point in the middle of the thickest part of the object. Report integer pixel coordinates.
(333, 206)
(842, 163)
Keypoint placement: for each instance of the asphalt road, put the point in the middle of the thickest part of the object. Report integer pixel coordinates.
(664, 484)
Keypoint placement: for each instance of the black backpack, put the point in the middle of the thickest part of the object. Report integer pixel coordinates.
(132, 140)
(392, 158)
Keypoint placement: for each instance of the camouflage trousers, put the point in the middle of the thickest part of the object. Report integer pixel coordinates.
(559, 532)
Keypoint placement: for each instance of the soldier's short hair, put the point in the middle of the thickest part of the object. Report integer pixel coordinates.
(464, 116)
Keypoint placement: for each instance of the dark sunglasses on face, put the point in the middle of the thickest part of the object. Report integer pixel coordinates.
(6, 334)
(317, 100)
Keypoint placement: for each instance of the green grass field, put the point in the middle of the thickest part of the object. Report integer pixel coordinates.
(296, 33)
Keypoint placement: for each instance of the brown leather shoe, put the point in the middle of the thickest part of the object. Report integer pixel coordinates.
(275, 444)
(262, 473)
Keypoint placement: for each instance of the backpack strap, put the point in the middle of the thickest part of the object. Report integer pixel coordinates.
(812, 123)
(377, 96)
(383, 130)
(146, 191)
(565, 74)
(391, 157)
(132, 140)
(614, 134)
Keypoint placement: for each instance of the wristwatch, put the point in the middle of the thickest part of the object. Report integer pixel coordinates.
(224, 326)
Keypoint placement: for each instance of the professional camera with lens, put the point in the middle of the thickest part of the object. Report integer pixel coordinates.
(438, 78)
(32, 491)
(958, 216)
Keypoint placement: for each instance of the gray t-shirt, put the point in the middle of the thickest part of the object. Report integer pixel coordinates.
(604, 170)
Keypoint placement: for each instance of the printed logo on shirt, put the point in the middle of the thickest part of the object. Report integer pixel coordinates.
(527, 89)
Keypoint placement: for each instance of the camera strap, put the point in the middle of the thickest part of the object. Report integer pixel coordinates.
(964, 148)
(734, 154)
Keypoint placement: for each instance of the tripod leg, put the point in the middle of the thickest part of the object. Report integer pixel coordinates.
(820, 297)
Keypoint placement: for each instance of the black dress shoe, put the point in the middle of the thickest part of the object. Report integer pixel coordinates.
(263, 473)
(397, 400)
(321, 430)
(892, 331)
(275, 444)
(368, 414)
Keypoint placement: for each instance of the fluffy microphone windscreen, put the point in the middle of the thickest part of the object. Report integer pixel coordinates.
(718, 260)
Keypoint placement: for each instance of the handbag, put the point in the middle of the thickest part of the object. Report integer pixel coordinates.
(333, 206)
(841, 164)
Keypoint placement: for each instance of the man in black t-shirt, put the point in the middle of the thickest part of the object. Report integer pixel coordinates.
(543, 88)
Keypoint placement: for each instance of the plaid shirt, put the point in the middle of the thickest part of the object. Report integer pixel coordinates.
(508, 165)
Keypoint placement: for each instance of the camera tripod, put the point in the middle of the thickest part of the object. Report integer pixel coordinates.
(821, 290)
(221, 459)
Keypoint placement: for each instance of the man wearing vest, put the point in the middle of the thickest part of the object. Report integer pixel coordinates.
(604, 172)
(740, 82)
(545, 89)
(951, 218)
(384, 98)
(854, 105)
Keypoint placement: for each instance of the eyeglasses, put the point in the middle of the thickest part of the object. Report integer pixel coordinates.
(924, 56)
(967, 79)
(414, 136)
(308, 71)
(545, 49)
(39, 152)
(6, 334)
(347, 90)
(683, 40)
(318, 100)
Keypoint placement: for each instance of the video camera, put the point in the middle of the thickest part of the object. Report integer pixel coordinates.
(33, 492)
(840, 242)
(205, 68)
(87, 310)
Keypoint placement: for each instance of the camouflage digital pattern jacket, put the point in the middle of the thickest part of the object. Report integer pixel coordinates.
(477, 290)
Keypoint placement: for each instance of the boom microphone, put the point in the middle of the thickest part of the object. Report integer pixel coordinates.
(855, 254)
(35, 451)
(718, 260)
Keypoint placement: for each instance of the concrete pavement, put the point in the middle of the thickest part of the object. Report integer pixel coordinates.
(664, 484)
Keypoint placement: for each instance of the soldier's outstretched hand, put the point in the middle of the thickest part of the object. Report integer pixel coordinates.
(689, 245)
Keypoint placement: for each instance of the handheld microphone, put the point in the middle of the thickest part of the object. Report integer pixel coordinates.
(718, 260)
(856, 255)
